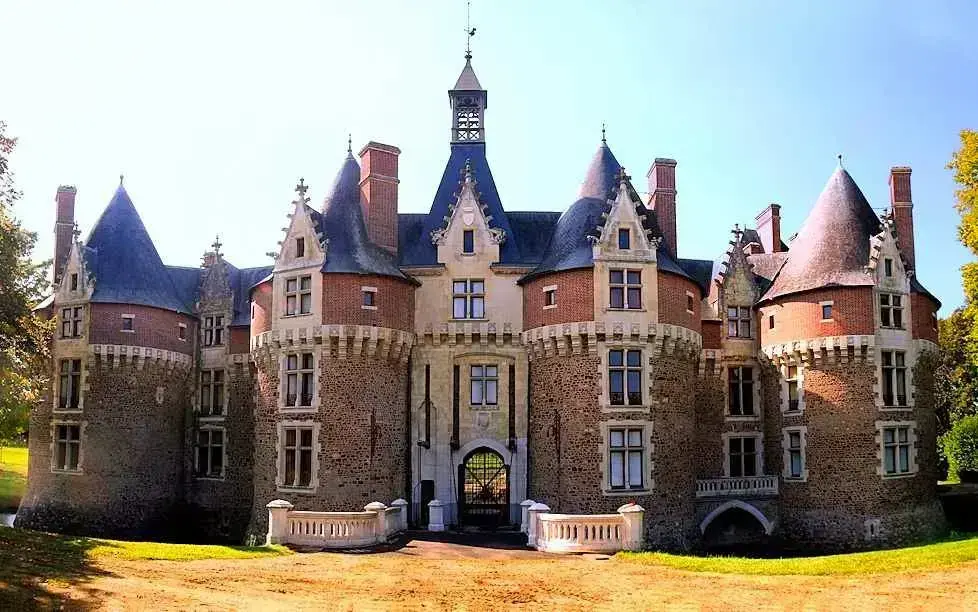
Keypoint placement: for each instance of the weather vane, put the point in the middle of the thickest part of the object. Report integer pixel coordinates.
(469, 30)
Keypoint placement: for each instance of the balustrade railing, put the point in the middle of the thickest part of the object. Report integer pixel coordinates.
(729, 487)
(577, 533)
(375, 525)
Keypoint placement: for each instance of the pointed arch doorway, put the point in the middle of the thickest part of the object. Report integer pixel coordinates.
(483, 495)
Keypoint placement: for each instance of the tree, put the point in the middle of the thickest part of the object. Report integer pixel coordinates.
(24, 336)
(964, 163)
(956, 379)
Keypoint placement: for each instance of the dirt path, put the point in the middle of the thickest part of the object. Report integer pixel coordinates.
(430, 575)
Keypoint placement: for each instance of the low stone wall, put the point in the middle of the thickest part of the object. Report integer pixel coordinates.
(375, 525)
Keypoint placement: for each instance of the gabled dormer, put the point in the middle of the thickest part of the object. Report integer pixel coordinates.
(303, 246)
(624, 235)
(887, 263)
(468, 232)
(76, 284)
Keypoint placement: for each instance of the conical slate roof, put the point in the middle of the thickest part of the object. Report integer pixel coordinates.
(467, 81)
(832, 247)
(124, 262)
(341, 222)
(602, 174)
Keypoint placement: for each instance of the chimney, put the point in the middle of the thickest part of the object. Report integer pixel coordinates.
(378, 193)
(64, 226)
(902, 205)
(662, 186)
(769, 228)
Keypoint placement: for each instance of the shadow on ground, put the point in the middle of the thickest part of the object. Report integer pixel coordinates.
(36, 567)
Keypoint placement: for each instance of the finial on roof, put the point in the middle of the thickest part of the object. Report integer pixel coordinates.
(301, 190)
(121, 178)
(217, 244)
(468, 170)
(622, 175)
(75, 231)
(737, 232)
(840, 161)
(349, 144)
(603, 139)
(469, 30)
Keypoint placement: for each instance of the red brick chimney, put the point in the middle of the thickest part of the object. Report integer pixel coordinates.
(902, 203)
(662, 186)
(769, 228)
(64, 226)
(378, 191)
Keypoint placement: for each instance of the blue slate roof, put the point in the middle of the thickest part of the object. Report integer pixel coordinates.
(124, 262)
(341, 222)
(420, 250)
(700, 270)
(187, 283)
(532, 231)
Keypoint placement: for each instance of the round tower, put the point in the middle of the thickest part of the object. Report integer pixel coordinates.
(332, 332)
(613, 344)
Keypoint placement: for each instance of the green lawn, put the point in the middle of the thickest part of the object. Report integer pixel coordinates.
(13, 477)
(941, 554)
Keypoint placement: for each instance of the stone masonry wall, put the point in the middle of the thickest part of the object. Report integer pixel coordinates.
(132, 467)
(575, 298)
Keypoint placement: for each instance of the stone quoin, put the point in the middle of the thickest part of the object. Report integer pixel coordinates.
(470, 358)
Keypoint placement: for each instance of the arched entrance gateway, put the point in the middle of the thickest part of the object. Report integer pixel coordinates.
(483, 489)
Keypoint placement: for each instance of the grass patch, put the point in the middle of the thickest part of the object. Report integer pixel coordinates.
(13, 477)
(930, 556)
(135, 551)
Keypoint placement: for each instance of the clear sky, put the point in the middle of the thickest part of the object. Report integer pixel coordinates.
(213, 110)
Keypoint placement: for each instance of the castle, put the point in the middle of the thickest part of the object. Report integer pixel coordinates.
(481, 357)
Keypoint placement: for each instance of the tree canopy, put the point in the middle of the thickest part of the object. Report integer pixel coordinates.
(964, 163)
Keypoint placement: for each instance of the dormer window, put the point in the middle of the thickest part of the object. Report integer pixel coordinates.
(74, 282)
(468, 241)
(626, 289)
(300, 247)
(888, 267)
(71, 320)
(624, 239)
(298, 295)
(891, 311)
(214, 331)
(738, 322)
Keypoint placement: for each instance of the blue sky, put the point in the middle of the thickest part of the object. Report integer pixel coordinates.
(213, 110)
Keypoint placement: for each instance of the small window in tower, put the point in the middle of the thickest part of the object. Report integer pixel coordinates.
(624, 239)
(770, 322)
(690, 303)
(74, 282)
(300, 247)
(369, 298)
(468, 241)
(826, 311)
(181, 331)
(550, 296)
(888, 266)
(128, 323)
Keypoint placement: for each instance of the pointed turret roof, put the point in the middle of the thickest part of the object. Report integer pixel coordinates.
(467, 81)
(124, 262)
(348, 249)
(599, 181)
(832, 247)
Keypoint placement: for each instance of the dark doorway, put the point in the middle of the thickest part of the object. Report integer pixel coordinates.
(484, 489)
(736, 532)
(427, 494)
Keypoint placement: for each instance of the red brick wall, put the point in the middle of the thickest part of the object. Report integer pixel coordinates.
(799, 316)
(154, 327)
(711, 334)
(923, 325)
(575, 298)
(261, 317)
(672, 301)
(342, 301)
(378, 190)
(239, 340)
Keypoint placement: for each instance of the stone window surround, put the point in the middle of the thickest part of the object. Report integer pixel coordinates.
(910, 360)
(82, 319)
(546, 290)
(182, 332)
(469, 296)
(224, 452)
(82, 385)
(755, 388)
(904, 309)
(786, 449)
(281, 320)
(132, 319)
(215, 329)
(484, 379)
(280, 457)
(604, 451)
(625, 286)
(372, 290)
(911, 439)
(647, 377)
(690, 299)
(726, 322)
(783, 370)
(316, 366)
(81, 446)
(758, 447)
(227, 395)
(298, 277)
(465, 361)
(821, 310)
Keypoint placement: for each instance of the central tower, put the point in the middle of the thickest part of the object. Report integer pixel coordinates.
(469, 102)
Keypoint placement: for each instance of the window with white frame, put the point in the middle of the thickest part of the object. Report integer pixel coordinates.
(468, 241)
(740, 390)
(894, 372)
(69, 384)
(214, 330)
(128, 323)
(484, 385)
(67, 447)
(690, 302)
(299, 377)
(891, 311)
(212, 392)
(625, 287)
(181, 331)
(210, 453)
(71, 321)
(469, 299)
(826, 310)
(897, 450)
(742, 456)
(794, 453)
(793, 384)
(887, 266)
(300, 247)
(369, 298)
(625, 377)
(738, 322)
(296, 457)
(550, 296)
(73, 285)
(626, 458)
(298, 295)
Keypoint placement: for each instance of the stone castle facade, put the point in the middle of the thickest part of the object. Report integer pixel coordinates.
(478, 356)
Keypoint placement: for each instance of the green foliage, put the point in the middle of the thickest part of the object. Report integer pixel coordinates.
(960, 445)
(24, 336)
(964, 163)
(956, 370)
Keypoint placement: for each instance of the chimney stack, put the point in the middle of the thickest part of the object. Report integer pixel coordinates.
(378, 193)
(662, 187)
(902, 204)
(64, 226)
(769, 228)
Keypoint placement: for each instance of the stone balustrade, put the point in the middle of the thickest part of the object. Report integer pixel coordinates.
(580, 533)
(375, 525)
(733, 487)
